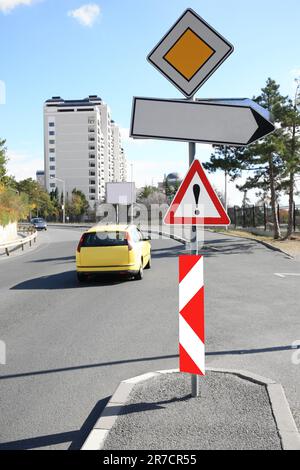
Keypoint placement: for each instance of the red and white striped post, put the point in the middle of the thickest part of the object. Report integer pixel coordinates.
(191, 318)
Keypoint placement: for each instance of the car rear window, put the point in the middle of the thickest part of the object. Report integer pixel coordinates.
(95, 239)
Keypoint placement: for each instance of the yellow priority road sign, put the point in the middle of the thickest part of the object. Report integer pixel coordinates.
(190, 53)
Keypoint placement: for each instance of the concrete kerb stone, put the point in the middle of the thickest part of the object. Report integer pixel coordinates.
(286, 427)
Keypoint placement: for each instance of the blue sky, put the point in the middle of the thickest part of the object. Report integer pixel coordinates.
(60, 47)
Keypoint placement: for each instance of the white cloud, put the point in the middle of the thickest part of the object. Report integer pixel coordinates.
(86, 15)
(23, 166)
(6, 6)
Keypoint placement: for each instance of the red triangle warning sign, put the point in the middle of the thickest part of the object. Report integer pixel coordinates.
(196, 202)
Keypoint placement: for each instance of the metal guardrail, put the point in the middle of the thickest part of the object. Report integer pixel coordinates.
(20, 242)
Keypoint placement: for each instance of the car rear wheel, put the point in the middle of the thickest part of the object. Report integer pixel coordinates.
(139, 276)
(149, 264)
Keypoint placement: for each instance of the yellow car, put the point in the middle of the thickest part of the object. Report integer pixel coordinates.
(119, 249)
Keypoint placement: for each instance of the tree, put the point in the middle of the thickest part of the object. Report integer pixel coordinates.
(146, 192)
(264, 158)
(171, 188)
(39, 200)
(291, 154)
(228, 159)
(13, 206)
(3, 159)
(78, 205)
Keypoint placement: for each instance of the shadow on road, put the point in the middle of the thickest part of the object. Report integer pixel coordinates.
(76, 438)
(223, 247)
(67, 280)
(147, 359)
(48, 260)
(87, 366)
(171, 252)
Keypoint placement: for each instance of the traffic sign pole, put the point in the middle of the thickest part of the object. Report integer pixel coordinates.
(195, 382)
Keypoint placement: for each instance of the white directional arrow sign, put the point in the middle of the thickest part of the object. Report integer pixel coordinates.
(236, 122)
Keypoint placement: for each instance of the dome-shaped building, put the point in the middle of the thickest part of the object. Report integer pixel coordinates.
(173, 178)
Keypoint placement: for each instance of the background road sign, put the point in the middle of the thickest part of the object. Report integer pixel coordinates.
(190, 53)
(224, 122)
(191, 315)
(120, 193)
(196, 202)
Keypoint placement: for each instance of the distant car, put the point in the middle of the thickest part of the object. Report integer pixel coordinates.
(120, 249)
(39, 223)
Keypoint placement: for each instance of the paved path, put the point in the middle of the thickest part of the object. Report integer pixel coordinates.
(68, 347)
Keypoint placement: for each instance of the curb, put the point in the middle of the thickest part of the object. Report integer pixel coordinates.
(286, 427)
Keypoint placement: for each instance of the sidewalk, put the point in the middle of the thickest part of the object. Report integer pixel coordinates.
(231, 413)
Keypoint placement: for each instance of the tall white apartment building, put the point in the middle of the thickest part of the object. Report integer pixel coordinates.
(82, 147)
(120, 164)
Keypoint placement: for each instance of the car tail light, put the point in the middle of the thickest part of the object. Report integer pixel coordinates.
(80, 244)
(129, 241)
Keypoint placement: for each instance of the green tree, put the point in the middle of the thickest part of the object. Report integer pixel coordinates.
(3, 159)
(264, 159)
(146, 192)
(228, 159)
(291, 154)
(39, 200)
(77, 206)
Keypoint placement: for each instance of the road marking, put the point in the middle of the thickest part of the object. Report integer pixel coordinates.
(287, 274)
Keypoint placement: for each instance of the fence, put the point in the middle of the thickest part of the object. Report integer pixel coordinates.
(20, 242)
(261, 216)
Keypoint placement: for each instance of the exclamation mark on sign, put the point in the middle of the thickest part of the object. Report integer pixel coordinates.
(196, 191)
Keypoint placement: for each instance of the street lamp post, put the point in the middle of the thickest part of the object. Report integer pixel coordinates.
(64, 196)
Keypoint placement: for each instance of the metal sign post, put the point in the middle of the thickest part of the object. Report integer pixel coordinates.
(194, 250)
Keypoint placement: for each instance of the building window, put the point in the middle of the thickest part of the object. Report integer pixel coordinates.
(52, 150)
(92, 165)
(92, 147)
(52, 142)
(52, 185)
(91, 139)
(92, 191)
(92, 173)
(92, 181)
(52, 168)
(52, 159)
(92, 155)
(92, 198)
(51, 133)
(51, 124)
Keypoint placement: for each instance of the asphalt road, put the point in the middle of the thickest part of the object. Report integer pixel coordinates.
(68, 347)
